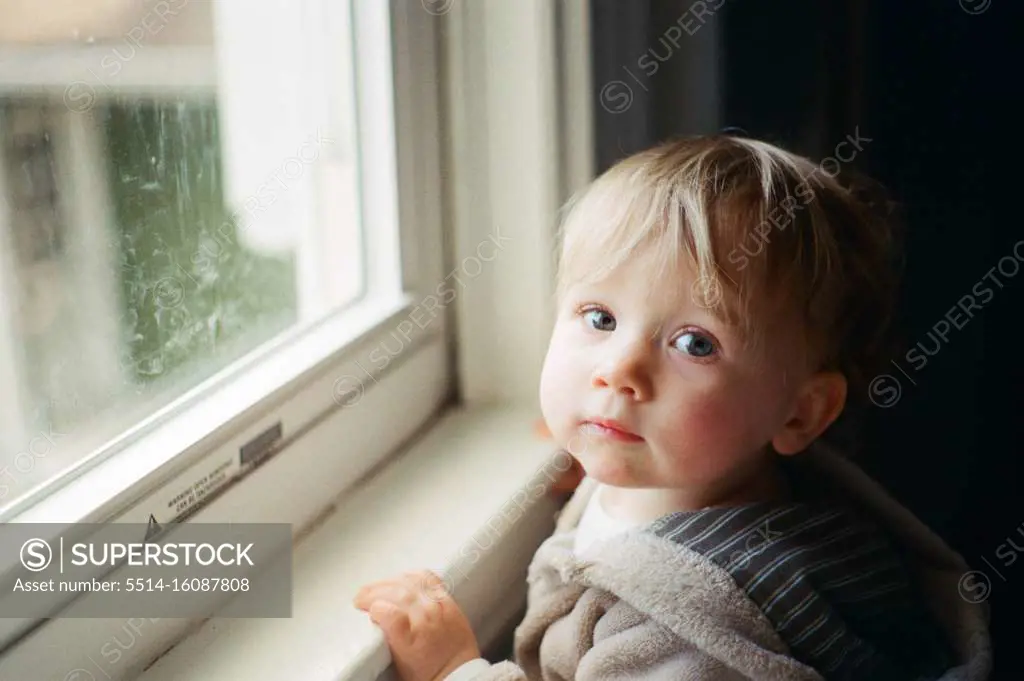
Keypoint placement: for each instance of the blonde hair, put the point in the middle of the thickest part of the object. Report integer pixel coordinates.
(763, 229)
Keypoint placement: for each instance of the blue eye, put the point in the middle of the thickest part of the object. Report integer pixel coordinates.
(695, 344)
(600, 320)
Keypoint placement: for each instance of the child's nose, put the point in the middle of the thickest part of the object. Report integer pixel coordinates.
(625, 373)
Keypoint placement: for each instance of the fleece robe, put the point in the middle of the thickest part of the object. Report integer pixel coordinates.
(838, 582)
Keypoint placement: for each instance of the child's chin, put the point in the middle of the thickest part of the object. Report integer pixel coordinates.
(609, 469)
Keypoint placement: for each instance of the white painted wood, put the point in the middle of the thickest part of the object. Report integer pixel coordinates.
(506, 181)
(324, 462)
(334, 378)
(504, 159)
(469, 496)
(577, 96)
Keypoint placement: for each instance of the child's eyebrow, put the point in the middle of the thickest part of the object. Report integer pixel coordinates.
(703, 317)
(728, 317)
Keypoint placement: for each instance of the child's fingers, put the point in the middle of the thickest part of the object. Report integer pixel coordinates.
(393, 619)
(430, 580)
(365, 595)
(397, 592)
(428, 584)
(372, 587)
(403, 591)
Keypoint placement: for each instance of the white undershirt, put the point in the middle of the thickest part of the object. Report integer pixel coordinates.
(595, 523)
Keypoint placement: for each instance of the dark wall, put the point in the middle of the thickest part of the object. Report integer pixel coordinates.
(936, 94)
(936, 89)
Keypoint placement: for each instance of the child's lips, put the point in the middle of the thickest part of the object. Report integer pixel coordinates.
(611, 429)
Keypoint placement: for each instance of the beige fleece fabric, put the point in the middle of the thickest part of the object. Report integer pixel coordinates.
(634, 606)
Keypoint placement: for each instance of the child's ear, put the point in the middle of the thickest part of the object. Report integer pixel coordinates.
(817, 405)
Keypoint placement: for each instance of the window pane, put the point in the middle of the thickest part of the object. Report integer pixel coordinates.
(129, 269)
(189, 289)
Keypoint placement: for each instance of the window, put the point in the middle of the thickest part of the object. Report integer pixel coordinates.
(208, 226)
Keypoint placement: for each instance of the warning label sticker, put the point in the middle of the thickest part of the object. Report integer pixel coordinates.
(194, 494)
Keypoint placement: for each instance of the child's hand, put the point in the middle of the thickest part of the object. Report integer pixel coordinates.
(427, 632)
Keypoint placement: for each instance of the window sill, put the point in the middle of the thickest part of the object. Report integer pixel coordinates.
(469, 499)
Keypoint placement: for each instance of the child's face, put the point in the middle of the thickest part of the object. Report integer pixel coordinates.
(701, 408)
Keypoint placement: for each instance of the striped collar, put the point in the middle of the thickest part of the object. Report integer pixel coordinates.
(833, 585)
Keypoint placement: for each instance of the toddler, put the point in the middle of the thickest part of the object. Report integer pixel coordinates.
(719, 301)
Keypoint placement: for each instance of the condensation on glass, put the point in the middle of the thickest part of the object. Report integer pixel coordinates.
(154, 227)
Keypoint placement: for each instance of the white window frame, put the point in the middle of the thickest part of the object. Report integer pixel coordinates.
(338, 421)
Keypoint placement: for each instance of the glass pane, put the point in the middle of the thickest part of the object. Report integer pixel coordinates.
(127, 273)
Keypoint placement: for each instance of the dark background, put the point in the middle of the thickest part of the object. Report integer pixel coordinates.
(936, 86)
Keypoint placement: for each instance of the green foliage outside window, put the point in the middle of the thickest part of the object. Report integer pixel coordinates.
(191, 289)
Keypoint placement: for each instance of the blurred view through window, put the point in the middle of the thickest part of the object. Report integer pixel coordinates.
(162, 212)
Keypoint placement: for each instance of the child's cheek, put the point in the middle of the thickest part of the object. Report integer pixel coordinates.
(707, 426)
(560, 386)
